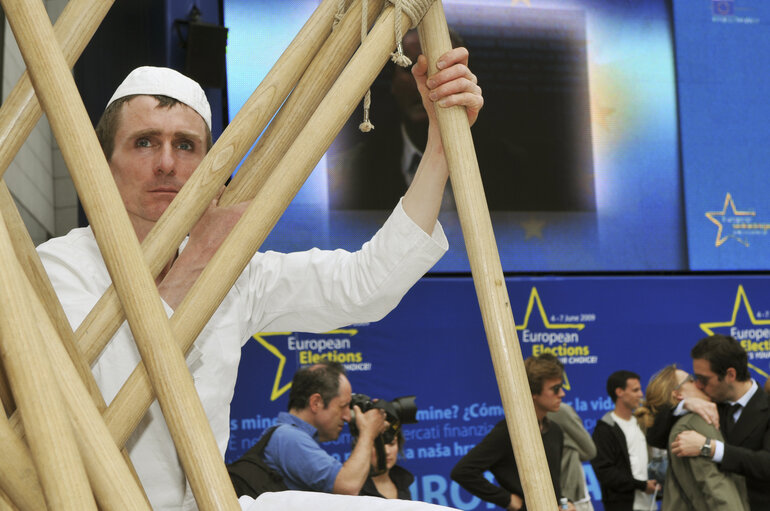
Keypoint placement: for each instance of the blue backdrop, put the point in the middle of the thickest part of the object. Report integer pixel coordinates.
(433, 346)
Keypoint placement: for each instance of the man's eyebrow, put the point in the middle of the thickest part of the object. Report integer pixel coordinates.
(145, 133)
(187, 134)
(178, 134)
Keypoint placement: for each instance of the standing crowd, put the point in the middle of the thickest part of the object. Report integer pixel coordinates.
(709, 430)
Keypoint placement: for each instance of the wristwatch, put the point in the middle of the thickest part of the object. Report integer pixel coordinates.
(705, 451)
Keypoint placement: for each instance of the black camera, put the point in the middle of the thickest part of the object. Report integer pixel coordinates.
(401, 410)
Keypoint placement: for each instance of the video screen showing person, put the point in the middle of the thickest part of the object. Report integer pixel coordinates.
(534, 145)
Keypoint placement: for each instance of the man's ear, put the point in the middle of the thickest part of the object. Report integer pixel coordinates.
(730, 375)
(315, 402)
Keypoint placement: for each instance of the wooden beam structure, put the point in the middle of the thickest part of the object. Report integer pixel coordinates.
(68, 454)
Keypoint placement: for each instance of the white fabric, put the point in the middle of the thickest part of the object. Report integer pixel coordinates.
(313, 291)
(637, 454)
(163, 81)
(303, 500)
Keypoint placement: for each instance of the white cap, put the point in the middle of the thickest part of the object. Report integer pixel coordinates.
(163, 81)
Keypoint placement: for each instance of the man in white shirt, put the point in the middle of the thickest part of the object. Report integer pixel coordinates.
(621, 459)
(155, 131)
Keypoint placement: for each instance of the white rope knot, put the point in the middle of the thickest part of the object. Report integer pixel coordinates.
(415, 10)
(366, 126)
(399, 58)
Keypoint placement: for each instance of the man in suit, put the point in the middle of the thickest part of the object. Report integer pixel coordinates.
(720, 367)
(371, 171)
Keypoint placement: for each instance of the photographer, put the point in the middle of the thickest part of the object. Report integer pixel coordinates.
(319, 405)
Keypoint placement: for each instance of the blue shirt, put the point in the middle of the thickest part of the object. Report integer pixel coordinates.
(294, 452)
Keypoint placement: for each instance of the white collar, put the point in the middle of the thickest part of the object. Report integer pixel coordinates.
(744, 400)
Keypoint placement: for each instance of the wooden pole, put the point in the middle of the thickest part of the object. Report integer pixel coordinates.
(117, 241)
(51, 441)
(33, 268)
(262, 214)
(18, 480)
(114, 485)
(489, 279)
(28, 258)
(6, 504)
(74, 28)
(98, 462)
(161, 243)
(305, 98)
(113, 482)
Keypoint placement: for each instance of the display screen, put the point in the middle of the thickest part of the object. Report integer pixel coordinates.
(577, 143)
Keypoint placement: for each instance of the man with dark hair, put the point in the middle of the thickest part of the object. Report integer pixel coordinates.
(621, 450)
(319, 406)
(494, 452)
(720, 367)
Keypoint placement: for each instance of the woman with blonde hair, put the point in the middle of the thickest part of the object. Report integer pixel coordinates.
(692, 483)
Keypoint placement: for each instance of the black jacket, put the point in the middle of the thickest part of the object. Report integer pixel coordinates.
(747, 448)
(494, 453)
(613, 466)
(400, 476)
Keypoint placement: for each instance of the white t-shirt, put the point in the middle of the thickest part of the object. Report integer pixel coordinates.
(637, 454)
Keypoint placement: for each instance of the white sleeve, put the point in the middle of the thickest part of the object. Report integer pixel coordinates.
(319, 290)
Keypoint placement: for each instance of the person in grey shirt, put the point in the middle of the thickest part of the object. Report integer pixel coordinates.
(578, 447)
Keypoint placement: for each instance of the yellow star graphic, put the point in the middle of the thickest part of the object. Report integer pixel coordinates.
(740, 297)
(533, 228)
(525, 2)
(711, 215)
(534, 299)
(278, 390)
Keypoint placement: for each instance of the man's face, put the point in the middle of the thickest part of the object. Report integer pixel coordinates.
(707, 381)
(631, 395)
(156, 151)
(549, 398)
(330, 420)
